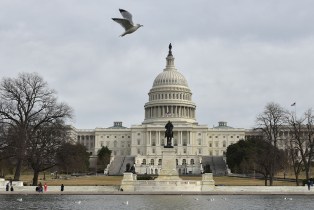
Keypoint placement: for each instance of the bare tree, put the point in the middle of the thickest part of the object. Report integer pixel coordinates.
(44, 145)
(301, 141)
(270, 122)
(26, 103)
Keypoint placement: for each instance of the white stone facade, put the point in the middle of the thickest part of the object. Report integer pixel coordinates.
(170, 98)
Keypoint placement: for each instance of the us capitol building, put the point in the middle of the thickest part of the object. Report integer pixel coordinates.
(169, 99)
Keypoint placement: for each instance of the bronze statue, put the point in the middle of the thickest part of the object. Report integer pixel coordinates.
(169, 134)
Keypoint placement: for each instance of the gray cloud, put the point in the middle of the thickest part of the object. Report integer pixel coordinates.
(236, 55)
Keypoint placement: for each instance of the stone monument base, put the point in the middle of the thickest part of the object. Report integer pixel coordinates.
(168, 168)
(164, 184)
(168, 179)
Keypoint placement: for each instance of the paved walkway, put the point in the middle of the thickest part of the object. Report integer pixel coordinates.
(218, 190)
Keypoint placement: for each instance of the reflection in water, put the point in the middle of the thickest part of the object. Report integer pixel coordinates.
(160, 202)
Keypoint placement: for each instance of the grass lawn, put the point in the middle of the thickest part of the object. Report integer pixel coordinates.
(116, 180)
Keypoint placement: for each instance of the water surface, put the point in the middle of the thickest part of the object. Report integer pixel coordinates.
(160, 202)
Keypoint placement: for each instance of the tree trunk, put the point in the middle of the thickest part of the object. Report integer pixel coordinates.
(297, 179)
(35, 178)
(271, 180)
(265, 180)
(18, 169)
(307, 172)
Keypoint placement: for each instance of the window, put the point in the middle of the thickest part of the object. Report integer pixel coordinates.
(199, 134)
(199, 151)
(107, 137)
(115, 143)
(138, 142)
(210, 144)
(192, 161)
(224, 144)
(184, 151)
(216, 137)
(152, 161)
(231, 137)
(144, 162)
(138, 134)
(184, 162)
(101, 143)
(199, 141)
(159, 161)
(153, 151)
(177, 161)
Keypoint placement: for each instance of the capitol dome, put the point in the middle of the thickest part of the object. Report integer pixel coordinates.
(170, 78)
(170, 97)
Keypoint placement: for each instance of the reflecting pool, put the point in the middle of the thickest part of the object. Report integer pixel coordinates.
(173, 202)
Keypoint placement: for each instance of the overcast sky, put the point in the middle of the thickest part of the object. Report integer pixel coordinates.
(237, 55)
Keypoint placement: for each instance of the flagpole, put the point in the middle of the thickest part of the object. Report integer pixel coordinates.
(295, 110)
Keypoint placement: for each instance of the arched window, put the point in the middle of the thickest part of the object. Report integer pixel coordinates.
(152, 161)
(144, 162)
(192, 161)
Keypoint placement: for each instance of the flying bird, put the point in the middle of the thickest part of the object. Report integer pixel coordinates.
(127, 22)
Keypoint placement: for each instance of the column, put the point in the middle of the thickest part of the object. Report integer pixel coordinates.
(180, 138)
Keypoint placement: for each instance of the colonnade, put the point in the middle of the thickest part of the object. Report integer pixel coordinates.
(169, 111)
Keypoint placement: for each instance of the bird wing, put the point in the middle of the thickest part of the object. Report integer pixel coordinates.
(126, 15)
(124, 23)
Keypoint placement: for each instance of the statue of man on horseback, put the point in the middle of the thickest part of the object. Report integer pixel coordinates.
(169, 134)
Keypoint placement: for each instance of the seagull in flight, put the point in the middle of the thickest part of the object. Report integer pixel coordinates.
(127, 22)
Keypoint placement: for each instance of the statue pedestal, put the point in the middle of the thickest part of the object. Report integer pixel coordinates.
(168, 168)
(168, 179)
